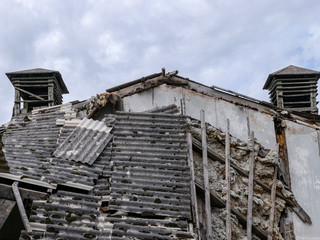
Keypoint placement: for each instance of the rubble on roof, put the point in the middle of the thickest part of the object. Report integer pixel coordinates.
(171, 109)
(112, 197)
(96, 103)
(264, 169)
(125, 175)
(28, 148)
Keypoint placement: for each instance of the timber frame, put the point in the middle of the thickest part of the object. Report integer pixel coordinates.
(36, 88)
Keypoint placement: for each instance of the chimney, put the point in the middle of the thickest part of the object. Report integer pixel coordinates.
(36, 88)
(294, 88)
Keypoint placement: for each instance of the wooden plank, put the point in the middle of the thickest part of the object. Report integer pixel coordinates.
(29, 93)
(35, 101)
(250, 188)
(32, 85)
(17, 100)
(295, 95)
(26, 79)
(183, 106)
(295, 79)
(280, 83)
(279, 99)
(205, 174)
(273, 202)
(217, 201)
(193, 187)
(22, 211)
(298, 102)
(6, 193)
(228, 203)
(50, 95)
(313, 86)
(248, 124)
(217, 157)
(295, 206)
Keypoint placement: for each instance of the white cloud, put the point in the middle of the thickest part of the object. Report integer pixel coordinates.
(108, 51)
(49, 43)
(97, 44)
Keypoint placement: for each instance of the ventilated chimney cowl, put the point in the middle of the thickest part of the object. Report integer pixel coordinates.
(36, 88)
(294, 88)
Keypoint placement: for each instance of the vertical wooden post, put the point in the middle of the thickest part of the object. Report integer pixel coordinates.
(205, 174)
(228, 203)
(22, 211)
(193, 187)
(50, 94)
(16, 102)
(248, 124)
(250, 188)
(183, 106)
(273, 202)
(279, 98)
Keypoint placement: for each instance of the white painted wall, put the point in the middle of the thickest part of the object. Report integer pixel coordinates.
(217, 111)
(304, 163)
(302, 142)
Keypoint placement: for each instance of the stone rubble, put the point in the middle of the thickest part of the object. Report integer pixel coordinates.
(265, 161)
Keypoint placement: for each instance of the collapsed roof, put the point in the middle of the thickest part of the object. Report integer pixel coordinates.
(124, 174)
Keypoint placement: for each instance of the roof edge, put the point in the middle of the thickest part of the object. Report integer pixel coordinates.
(286, 72)
(41, 71)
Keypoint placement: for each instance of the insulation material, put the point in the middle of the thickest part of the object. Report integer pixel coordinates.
(86, 142)
(265, 160)
(96, 103)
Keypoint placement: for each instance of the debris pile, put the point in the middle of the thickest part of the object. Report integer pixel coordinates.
(96, 103)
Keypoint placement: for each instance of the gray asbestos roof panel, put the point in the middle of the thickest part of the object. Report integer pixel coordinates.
(85, 143)
(150, 179)
(140, 181)
(28, 144)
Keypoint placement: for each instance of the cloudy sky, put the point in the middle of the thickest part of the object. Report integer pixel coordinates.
(97, 44)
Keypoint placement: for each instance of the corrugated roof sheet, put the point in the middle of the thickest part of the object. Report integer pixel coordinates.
(30, 141)
(85, 143)
(139, 183)
(141, 187)
(149, 168)
(67, 215)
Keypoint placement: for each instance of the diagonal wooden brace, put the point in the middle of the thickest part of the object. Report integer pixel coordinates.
(22, 211)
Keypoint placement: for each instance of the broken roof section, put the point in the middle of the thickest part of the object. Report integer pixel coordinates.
(101, 200)
(86, 142)
(147, 148)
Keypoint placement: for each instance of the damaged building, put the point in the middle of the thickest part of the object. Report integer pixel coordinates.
(161, 157)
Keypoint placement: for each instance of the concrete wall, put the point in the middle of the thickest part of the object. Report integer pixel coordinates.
(304, 160)
(217, 111)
